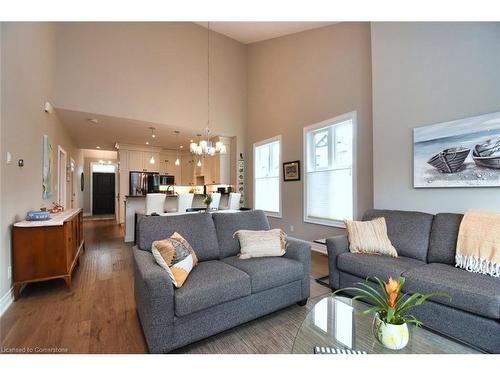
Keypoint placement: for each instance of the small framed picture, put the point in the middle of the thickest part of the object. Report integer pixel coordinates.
(291, 171)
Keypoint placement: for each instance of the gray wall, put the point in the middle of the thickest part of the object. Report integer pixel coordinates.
(301, 79)
(424, 73)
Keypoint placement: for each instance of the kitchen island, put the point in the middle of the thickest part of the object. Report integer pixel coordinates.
(134, 203)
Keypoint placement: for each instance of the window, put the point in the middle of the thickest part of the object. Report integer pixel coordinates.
(267, 177)
(329, 176)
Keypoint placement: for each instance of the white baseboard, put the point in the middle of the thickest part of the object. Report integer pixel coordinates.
(6, 301)
(85, 214)
(318, 248)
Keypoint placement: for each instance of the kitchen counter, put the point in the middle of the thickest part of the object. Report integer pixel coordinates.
(133, 203)
(57, 219)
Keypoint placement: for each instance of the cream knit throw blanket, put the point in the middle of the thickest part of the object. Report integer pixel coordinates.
(478, 244)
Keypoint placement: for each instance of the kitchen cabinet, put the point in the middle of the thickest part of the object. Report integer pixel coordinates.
(135, 160)
(124, 190)
(167, 166)
(123, 156)
(187, 170)
(217, 169)
(146, 164)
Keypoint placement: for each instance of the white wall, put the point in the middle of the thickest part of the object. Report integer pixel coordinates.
(27, 81)
(155, 72)
(425, 73)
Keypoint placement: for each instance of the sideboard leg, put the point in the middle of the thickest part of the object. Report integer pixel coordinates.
(67, 280)
(18, 287)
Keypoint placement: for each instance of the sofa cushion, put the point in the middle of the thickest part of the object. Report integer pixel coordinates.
(197, 228)
(226, 224)
(268, 272)
(472, 292)
(381, 266)
(408, 231)
(210, 283)
(443, 241)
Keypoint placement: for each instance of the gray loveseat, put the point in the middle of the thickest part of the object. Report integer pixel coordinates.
(222, 291)
(426, 247)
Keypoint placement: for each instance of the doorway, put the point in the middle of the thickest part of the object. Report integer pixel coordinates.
(103, 193)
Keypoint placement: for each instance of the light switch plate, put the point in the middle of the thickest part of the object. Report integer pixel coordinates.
(8, 157)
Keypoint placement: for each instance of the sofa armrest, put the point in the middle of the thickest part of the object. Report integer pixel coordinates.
(154, 297)
(335, 246)
(300, 251)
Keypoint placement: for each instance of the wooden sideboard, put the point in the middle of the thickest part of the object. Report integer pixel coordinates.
(45, 250)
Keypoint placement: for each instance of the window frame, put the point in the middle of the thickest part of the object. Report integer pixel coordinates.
(278, 139)
(352, 116)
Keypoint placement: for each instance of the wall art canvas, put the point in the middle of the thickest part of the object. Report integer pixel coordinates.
(459, 153)
(47, 168)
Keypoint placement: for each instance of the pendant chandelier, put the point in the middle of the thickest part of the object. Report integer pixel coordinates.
(153, 135)
(206, 147)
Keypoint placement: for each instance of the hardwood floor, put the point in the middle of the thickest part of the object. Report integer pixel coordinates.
(98, 315)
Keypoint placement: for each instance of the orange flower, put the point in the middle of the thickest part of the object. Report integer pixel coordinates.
(392, 289)
(392, 299)
(392, 286)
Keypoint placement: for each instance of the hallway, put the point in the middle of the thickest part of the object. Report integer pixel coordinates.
(98, 315)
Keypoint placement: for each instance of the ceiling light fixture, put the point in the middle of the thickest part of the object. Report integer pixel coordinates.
(177, 160)
(93, 120)
(153, 135)
(147, 142)
(152, 159)
(98, 147)
(205, 147)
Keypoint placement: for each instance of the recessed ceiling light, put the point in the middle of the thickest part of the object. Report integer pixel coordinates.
(93, 120)
(97, 146)
(147, 142)
(181, 146)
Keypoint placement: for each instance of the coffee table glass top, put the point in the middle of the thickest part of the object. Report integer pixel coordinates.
(339, 322)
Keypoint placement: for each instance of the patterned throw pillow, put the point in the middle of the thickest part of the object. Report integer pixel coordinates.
(369, 237)
(176, 256)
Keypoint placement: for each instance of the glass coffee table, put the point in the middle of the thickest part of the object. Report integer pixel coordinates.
(338, 322)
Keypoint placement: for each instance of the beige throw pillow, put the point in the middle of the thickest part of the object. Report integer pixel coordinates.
(261, 243)
(369, 237)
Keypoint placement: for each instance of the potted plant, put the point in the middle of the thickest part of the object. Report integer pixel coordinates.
(208, 200)
(390, 305)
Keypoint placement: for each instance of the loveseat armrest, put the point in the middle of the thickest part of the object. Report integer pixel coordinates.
(335, 246)
(154, 298)
(300, 251)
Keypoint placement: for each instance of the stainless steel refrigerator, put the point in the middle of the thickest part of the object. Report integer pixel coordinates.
(142, 183)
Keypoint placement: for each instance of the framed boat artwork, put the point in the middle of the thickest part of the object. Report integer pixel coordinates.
(458, 153)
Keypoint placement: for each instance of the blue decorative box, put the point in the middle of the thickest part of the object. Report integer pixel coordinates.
(37, 215)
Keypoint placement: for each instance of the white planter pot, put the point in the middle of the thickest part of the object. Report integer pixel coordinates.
(392, 336)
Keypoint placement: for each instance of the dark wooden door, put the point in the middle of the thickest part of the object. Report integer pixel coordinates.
(103, 193)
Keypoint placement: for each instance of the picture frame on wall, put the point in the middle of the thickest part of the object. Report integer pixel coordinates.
(458, 153)
(291, 171)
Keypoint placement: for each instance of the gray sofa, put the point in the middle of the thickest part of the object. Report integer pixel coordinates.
(222, 291)
(426, 247)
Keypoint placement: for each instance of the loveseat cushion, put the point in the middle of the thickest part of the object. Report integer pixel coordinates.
(210, 283)
(268, 272)
(197, 228)
(226, 224)
(381, 266)
(408, 231)
(443, 241)
(472, 292)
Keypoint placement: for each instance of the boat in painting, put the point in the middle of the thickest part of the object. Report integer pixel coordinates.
(449, 160)
(487, 154)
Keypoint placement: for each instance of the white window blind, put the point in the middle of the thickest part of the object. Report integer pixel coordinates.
(328, 197)
(267, 191)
